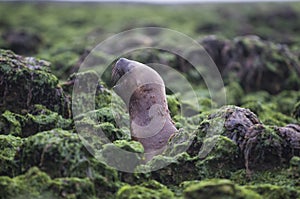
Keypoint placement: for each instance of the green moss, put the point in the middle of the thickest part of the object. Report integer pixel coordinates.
(38, 119)
(222, 160)
(9, 144)
(73, 188)
(57, 152)
(174, 171)
(269, 114)
(29, 82)
(269, 191)
(123, 155)
(147, 190)
(296, 111)
(286, 101)
(295, 167)
(33, 184)
(36, 184)
(173, 105)
(8, 147)
(10, 123)
(218, 189)
(234, 93)
(63, 62)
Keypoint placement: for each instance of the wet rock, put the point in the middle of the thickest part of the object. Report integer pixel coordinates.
(22, 41)
(25, 82)
(254, 63)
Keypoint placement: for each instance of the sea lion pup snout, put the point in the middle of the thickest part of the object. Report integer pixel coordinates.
(143, 91)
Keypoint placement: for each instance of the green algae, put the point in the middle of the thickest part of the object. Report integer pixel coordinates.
(148, 190)
(123, 155)
(24, 78)
(57, 152)
(37, 184)
(72, 188)
(9, 145)
(81, 175)
(38, 119)
(221, 161)
(218, 189)
(33, 184)
(296, 111)
(269, 191)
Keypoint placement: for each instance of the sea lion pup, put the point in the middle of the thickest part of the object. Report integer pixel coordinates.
(143, 91)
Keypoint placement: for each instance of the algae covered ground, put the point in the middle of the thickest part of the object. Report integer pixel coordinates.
(255, 154)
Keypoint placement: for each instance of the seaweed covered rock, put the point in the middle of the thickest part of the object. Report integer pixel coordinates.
(254, 63)
(57, 152)
(269, 191)
(33, 184)
(26, 81)
(147, 190)
(218, 189)
(72, 188)
(61, 154)
(261, 147)
(123, 155)
(9, 145)
(38, 119)
(37, 184)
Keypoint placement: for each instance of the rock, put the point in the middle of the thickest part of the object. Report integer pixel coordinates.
(38, 119)
(256, 64)
(22, 41)
(218, 189)
(146, 190)
(25, 82)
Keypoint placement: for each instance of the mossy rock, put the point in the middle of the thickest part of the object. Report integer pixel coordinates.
(36, 184)
(223, 159)
(33, 184)
(26, 82)
(59, 153)
(123, 155)
(38, 119)
(269, 191)
(261, 146)
(170, 170)
(269, 114)
(256, 64)
(72, 188)
(146, 190)
(295, 168)
(8, 147)
(218, 189)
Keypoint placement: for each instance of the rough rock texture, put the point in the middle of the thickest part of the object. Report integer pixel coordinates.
(256, 64)
(25, 82)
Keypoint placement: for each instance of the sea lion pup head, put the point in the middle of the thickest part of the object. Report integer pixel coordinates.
(143, 91)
